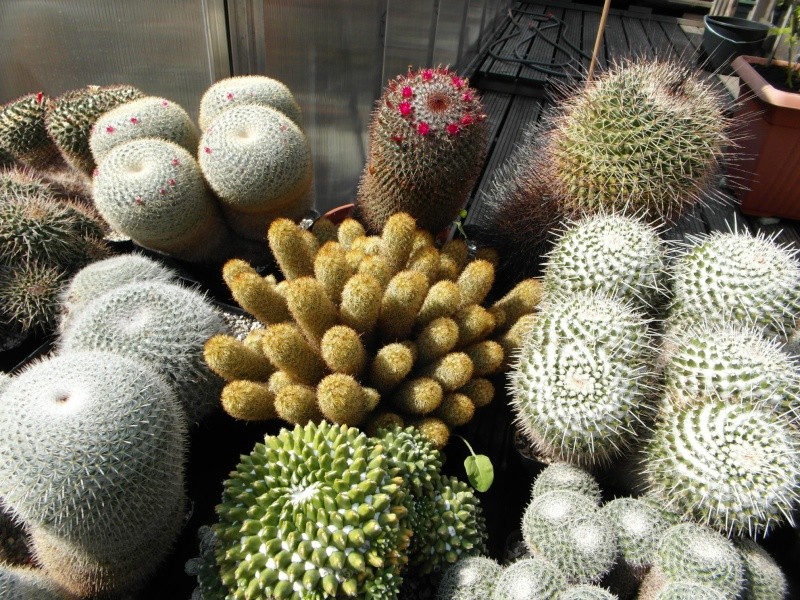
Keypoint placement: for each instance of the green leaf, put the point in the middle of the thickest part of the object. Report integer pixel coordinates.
(480, 471)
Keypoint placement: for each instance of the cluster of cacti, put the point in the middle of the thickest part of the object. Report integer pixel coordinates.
(367, 330)
(24, 583)
(247, 90)
(324, 511)
(643, 138)
(23, 132)
(428, 141)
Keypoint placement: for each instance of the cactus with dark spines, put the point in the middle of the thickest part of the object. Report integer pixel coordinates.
(27, 583)
(529, 579)
(23, 132)
(29, 294)
(69, 119)
(109, 511)
(561, 476)
(249, 89)
(764, 579)
(428, 139)
(161, 324)
(143, 117)
(470, 578)
(259, 165)
(153, 191)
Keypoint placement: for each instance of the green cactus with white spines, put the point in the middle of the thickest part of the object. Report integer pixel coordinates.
(70, 117)
(153, 191)
(731, 465)
(258, 162)
(737, 278)
(95, 446)
(582, 382)
(529, 579)
(23, 132)
(764, 579)
(564, 476)
(428, 140)
(249, 89)
(29, 295)
(470, 578)
(587, 592)
(162, 324)
(568, 529)
(613, 254)
(143, 117)
(639, 525)
(26, 583)
(684, 590)
(414, 458)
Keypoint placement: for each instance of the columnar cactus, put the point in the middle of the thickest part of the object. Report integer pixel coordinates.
(258, 162)
(529, 579)
(94, 459)
(248, 89)
(153, 191)
(428, 140)
(471, 578)
(23, 132)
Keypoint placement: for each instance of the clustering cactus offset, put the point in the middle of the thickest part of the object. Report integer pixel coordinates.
(144, 117)
(582, 382)
(94, 459)
(386, 328)
(764, 579)
(471, 578)
(153, 191)
(29, 295)
(428, 140)
(26, 583)
(737, 278)
(729, 464)
(248, 89)
(587, 592)
(162, 324)
(258, 162)
(639, 526)
(70, 118)
(564, 476)
(23, 132)
(529, 579)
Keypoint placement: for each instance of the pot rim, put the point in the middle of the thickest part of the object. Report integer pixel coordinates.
(743, 67)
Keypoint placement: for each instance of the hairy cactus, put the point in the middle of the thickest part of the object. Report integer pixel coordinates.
(730, 465)
(70, 118)
(18, 182)
(29, 294)
(248, 89)
(640, 526)
(23, 132)
(471, 578)
(144, 117)
(764, 579)
(428, 140)
(162, 324)
(258, 162)
(586, 592)
(684, 590)
(563, 476)
(529, 579)
(153, 191)
(568, 529)
(582, 381)
(740, 279)
(107, 511)
(25, 583)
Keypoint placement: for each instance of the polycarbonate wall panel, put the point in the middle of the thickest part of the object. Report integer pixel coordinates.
(169, 48)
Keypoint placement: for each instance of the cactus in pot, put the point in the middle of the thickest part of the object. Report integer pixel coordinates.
(249, 89)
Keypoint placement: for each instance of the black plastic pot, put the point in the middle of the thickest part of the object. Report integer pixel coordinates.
(725, 38)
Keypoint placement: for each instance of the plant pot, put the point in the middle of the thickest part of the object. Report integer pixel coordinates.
(770, 144)
(340, 213)
(725, 38)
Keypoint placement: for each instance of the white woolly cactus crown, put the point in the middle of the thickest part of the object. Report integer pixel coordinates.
(249, 89)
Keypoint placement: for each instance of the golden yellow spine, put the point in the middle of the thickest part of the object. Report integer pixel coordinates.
(297, 404)
(475, 323)
(349, 231)
(479, 390)
(391, 365)
(442, 300)
(311, 308)
(290, 248)
(400, 304)
(522, 300)
(475, 282)
(331, 270)
(231, 359)
(455, 410)
(377, 267)
(361, 303)
(279, 380)
(324, 230)
(258, 297)
(436, 339)
(418, 396)
(487, 357)
(341, 399)
(434, 429)
(248, 401)
(426, 261)
(342, 350)
(451, 371)
(383, 420)
(287, 349)
(397, 240)
(512, 340)
(452, 259)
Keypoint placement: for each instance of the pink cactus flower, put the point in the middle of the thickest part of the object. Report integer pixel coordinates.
(423, 129)
(405, 108)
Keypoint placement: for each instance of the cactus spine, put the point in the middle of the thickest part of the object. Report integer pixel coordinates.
(251, 89)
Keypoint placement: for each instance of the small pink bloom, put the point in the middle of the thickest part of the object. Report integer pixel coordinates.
(405, 108)
(458, 83)
(453, 129)
(467, 120)
(162, 191)
(134, 120)
(229, 95)
(397, 138)
(427, 75)
(138, 200)
(175, 162)
(467, 97)
(207, 150)
(110, 129)
(423, 128)
(39, 97)
(96, 172)
(164, 103)
(171, 182)
(407, 92)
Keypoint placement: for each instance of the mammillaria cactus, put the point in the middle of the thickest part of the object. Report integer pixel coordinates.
(582, 381)
(23, 132)
(144, 117)
(29, 294)
(471, 578)
(639, 526)
(737, 278)
(729, 464)
(107, 511)
(249, 89)
(258, 162)
(529, 579)
(153, 191)
(23, 182)
(764, 579)
(26, 583)
(427, 144)
(684, 590)
(564, 476)
(162, 324)
(586, 592)
(69, 119)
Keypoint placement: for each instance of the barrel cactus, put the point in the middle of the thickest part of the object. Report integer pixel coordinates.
(529, 579)
(428, 140)
(153, 191)
(249, 89)
(144, 117)
(471, 578)
(564, 476)
(587, 592)
(764, 579)
(29, 295)
(25, 583)
(23, 132)
(95, 452)
(258, 162)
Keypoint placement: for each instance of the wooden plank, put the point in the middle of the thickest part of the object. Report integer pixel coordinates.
(662, 47)
(638, 40)
(541, 51)
(679, 41)
(591, 23)
(615, 41)
(519, 45)
(784, 232)
(573, 33)
(497, 47)
(723, 215)
(691, 224)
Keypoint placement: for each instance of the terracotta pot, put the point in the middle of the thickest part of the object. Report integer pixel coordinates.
(771, 150)
(340, 213)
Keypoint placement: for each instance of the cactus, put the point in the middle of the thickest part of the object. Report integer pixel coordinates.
(764, 579)
(29, 295)
(107, 511)
(563, 476)
(529, 579)
(70, 117)
(568, 529)
(586, 592)
(414, 458)
(740, 279)
(470, 578)
(639, 526)
(23, 132)
(613, 254)
(153, 191)
(23, 182)
(728, 464)
(144, 117)
(162, 324)
(581, 383)
(682, 590)
(249, 89)
(259, 165)
(428, 140)
(25, 583)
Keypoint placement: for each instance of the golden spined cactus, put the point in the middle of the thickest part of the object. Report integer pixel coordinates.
(512, 339)
(342, 350)
(486, 357)
(523, 299)
(434, 429)
(249, 400)
(479, 390)
(349, 231)
(425, 260)
(383, 420)
(391, 365)
(311, 308)
(233, 360)
(342, 399)
(451, 371)
(324, 230)
(255, 294)
(397, 241)
(453, 259)
(297, 403)
(332, 270)
(377, 267)
(400, 304)
(474, 324)
(290, 249)
(361, 302)
(418, 396)
(455, 410)
(436, 339)
(442, 300)
(287, 349)
(475, 282)
(279, 380)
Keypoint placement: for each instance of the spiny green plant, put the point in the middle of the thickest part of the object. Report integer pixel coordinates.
(684, 590)
(69, 119)
(23, 132)
(564, 476)
(737, 278)
(764, 579)
(249, 89)
(27, 583)
(258, 162)
(471, 578)
(153, 191)
(23, 181)
(428, 140)
(143, 117)
(29, 295)
(529, 579)
(95, 448)
(587, 592)
(729, 464)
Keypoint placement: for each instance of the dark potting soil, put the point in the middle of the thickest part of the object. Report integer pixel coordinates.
(776, 77)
